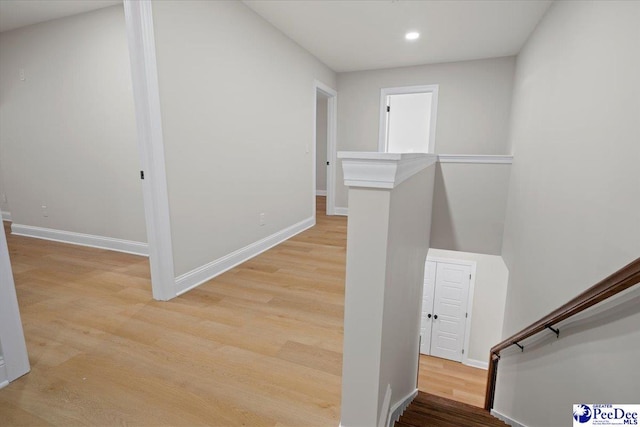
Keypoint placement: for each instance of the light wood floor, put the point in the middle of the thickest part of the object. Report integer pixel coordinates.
(260, 345)
(452, 380)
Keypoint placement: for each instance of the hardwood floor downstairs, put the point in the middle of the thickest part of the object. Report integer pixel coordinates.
(452, 380)
(428, 410)
(260, 345)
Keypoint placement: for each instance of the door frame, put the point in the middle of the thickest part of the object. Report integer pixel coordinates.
(146, 96)
(332, 121)
(404, 90)
(472, 284)
(14, 349)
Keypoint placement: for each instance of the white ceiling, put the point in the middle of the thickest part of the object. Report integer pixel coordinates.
(20, 13)
(352, 35)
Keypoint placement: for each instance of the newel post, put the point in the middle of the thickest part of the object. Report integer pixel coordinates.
(390, 198)
(492, 375)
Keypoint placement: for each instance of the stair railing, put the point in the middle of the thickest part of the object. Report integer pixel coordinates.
(622, 279)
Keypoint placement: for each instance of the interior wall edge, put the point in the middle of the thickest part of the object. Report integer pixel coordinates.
(196, 277)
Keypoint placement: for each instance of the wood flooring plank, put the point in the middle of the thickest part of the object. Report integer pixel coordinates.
(428, 410)
(260, 345)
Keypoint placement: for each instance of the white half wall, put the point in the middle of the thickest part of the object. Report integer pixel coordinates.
(387, 243)
(469, 207)
(67, 129)
(14, 361)
(573, 213)
(237, 104)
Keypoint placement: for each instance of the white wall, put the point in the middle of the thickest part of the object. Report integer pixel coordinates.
(237, 101)
(321, 142)
(474, 99)
(67, 132)
(386, 250)
(408, 243)
(573, 214)
(490, 293)
(14, 361)
(469, 207)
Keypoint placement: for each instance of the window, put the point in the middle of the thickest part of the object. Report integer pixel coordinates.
(408, 119)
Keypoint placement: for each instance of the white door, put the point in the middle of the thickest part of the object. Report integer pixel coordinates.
(450, 310)
(409, 122)
(427, 306)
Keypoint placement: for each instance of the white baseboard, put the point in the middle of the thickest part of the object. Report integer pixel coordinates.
(476, 363)
(397, 409)
(101, 242)
(341, 211)
(321, 192)
(6, 216)
(198, 276)
(506, 419)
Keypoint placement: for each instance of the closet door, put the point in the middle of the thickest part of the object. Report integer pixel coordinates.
(427, 306)
(450, 310)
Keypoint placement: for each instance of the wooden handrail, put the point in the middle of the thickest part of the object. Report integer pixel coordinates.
(622, 279)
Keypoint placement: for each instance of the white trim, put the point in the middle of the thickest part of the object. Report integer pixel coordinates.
(4, 378)
(341, 211)
(476, 158)
(14, 348)
(472, 285)
(476, 363)
(381, 170)
(506, 419)
(146, 94)
(384, 411)
(197, 276)
(398, 409)
(321, 192)
(332, 120)
(101, 242)
(6, 216)
(382, 129)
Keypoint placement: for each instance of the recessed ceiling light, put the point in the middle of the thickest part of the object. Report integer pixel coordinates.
(412, 35)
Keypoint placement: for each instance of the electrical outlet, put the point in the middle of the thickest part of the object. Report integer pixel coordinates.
(45, 213)
(22, 75)
(262, 218)
(4, 198)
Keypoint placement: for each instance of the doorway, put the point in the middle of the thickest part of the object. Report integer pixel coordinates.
(321, 143)
(408, 119)
(446, 309)
(324, 145)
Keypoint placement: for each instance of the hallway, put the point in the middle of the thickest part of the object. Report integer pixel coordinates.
(260, 345)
